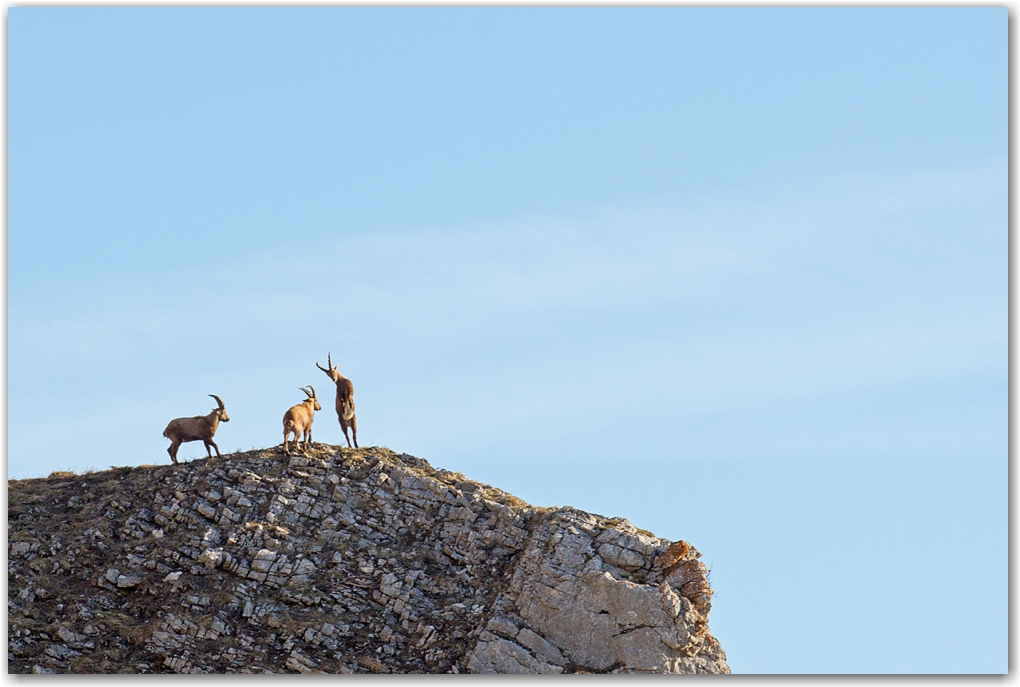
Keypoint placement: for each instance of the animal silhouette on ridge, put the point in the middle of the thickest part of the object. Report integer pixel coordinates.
(344, 400)
(202, 427)
(298, 420)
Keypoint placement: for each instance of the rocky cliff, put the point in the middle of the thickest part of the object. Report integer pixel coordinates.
(340, 561)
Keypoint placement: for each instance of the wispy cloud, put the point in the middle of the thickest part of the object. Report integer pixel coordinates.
(682, 306)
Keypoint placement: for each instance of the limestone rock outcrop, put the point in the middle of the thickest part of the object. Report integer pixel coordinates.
(338, 561)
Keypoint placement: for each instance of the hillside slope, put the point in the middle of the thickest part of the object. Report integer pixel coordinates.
(340, 561)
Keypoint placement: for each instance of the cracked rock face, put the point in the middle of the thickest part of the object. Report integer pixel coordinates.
(338, 561)
(576, 609)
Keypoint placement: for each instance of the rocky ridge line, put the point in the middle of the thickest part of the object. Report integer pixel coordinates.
(339, 561)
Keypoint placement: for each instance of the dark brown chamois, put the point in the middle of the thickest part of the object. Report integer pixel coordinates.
(344, 400)
(299, 420)
(200, 428)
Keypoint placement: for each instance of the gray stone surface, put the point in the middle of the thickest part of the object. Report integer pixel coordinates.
(338, 561)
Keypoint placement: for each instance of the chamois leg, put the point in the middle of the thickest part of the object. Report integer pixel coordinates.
(172, 450)
(354, 429)
(212, 443)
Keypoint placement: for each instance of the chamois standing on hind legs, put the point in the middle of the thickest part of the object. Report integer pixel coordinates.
(299, 420)
(202, 427)
(344, 400)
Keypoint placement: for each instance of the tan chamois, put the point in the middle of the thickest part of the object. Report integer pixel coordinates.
(299, 420)
(344, 400)
(202, 427)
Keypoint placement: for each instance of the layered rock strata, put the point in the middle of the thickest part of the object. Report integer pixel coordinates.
(339, 561)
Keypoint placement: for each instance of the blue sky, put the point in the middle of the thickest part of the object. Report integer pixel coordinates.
(737, 274)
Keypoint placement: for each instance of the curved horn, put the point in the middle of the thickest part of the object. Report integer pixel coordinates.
(313, 390)
(219, 401)
(329, 362)
(306, 392)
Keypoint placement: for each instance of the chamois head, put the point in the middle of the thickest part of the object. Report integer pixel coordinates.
(221, 412)
(311, 396)
(333, 373)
